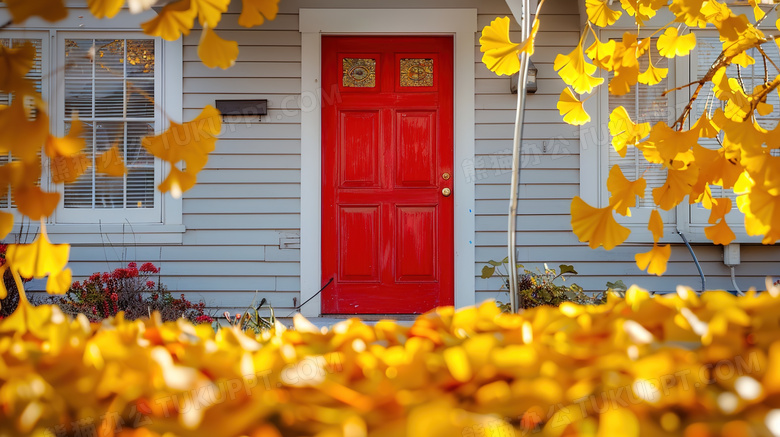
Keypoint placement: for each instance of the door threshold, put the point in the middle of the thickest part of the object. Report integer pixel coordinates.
(372, 317)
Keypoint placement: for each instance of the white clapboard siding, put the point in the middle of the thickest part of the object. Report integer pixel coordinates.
(244, 215)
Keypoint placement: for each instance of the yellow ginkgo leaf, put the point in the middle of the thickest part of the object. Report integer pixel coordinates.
(689, 12)
(255, 12)
(624, 192)
(21, 136)
(190, 142)
(720, 207)
(577, 72)
(670, 44)
(15, 63)
(596, 226)
(210, 11)
(758, 13)
(743, 59)
(601, 53)
(642, 10)
(66, 169)
(764, 207)
(110, 163)
(600, 14)
(174, 20)
(59, 282)
(178, 182)
(653, 75)
(6, 224)
(38, 259)
(500, 53)
(670, 147)
(70, 144)
(35, 203)
(571, 108)
(678, 185)
(49, 10)
(215, 51)
(624, 131)
(720, 233)
(704, 127)
(656, 225)
(654, 261)
(105, 8)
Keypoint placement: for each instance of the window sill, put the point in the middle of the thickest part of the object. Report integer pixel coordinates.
(109, 233)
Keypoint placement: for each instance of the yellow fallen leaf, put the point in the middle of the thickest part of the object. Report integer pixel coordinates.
(39, 258)
(655, 260)
(572, 109)
(624, 131)
(255, 12)
(110, 163)
(600, 14)
(35, 203)
(596, 226)
(105, 8)
(215, 51)
(624, 192)
(671, 44)
(174, 20)
(49, 10)
(576, 71)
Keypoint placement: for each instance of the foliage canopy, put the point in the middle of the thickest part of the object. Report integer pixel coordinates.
(744, 162)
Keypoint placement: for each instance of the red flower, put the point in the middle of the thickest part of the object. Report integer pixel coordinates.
(131, 265)
(150, 284)
(114, 297)
(204, 319)
(149, 268)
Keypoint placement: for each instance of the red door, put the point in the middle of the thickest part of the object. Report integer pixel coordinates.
(387, 217)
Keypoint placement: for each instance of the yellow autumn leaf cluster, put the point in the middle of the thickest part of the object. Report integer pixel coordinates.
(178, 18)
(675, 365)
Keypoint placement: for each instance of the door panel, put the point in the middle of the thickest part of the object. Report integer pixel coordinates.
(387, 228)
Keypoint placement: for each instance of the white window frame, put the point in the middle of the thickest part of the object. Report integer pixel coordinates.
(595, 142)
(106, 215)
(165, 228)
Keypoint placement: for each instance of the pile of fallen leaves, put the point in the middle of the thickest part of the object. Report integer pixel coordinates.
(680, 364)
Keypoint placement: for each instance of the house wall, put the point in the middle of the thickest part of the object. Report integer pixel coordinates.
(244, 214)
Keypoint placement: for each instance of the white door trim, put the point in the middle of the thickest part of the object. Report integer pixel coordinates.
(462, 24)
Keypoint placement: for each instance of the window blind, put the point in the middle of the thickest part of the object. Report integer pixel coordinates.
(110, 84)
(644, 104)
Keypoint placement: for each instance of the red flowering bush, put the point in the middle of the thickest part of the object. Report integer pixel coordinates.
(130, 290)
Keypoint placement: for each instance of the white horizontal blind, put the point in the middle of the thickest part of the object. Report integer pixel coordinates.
(35, 75)
(708, 49)
(110, 83)
(644, 104)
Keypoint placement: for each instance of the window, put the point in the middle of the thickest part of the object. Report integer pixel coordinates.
(35, 75)
(647, 104)
(111, 83)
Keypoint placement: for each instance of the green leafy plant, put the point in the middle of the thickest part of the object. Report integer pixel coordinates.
(132, 291)
(250, 319)
(537, 288)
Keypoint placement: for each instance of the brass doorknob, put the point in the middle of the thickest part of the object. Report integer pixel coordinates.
(446, 192)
